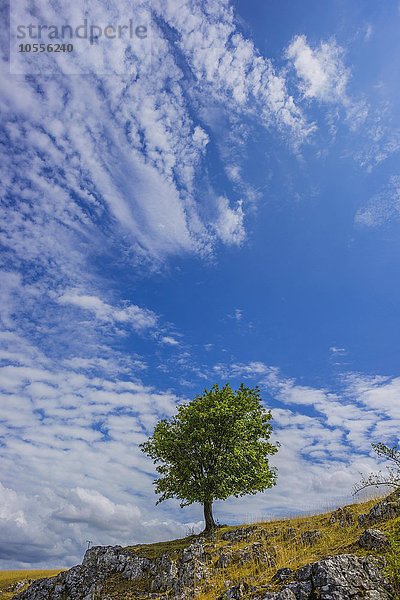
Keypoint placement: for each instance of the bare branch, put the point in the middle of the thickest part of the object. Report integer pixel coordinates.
(389, 479)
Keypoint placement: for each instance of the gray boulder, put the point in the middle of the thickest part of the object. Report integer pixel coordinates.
(237, 592)
(343, 517)
(388, 508)
(224, 559)
(373, 539)
(283, 574)
(253, 553)
(289, 534)
(239, 534)
(309, 538)
(343, 577)
(286, 594)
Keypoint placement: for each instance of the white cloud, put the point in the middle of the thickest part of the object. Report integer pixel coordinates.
(238, 314)
(380, 137)
(229, 224)
(234, 173)
(363, 409)
(10, 507)
(369, 31)
(337, 350)
(169, 340)
(95, 509)
(228, 66)
(383, 207)
(131, 164)
(323, 77)
(109, 366)
(247, 370)
(321, 71)
(377, 393)
(138, 318)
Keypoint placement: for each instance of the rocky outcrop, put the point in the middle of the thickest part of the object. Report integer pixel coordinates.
(373, 539)
(284, 574)
(343, 517)
(343, 577)
(254, 553)
(309, 538)
(388, 508)
(17, 585)
(238, 591)
(162, 574)
(239, 534)
(289, 534)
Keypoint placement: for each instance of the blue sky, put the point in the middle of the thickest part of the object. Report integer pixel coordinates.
(226, 209)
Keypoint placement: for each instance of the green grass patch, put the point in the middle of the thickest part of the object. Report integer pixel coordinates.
(172, 547)
(393, 555)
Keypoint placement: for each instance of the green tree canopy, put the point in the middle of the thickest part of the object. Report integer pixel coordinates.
(214, 447)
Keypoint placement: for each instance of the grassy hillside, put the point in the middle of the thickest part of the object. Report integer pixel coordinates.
(252, 553)
(9, 579)
(291, 551)
(281, 539)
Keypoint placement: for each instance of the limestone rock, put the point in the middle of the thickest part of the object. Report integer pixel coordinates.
(17, 585)
(343, 577)
(236, 592)
(238, 535)
(224, 559)
(311, 537)
(373, 539)
(253, 553)
(286, 594)
(283, 574)
(343, 517)
(289, 534)
(162, 573)
(388, 508)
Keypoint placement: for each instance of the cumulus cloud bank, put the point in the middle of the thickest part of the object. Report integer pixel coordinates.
(73, 441)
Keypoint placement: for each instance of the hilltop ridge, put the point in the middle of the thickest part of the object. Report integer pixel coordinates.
(338, 555)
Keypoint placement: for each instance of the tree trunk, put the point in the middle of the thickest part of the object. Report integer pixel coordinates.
(208, 516)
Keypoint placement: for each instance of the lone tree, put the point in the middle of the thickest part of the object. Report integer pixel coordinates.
(214, 447)
(390, 478)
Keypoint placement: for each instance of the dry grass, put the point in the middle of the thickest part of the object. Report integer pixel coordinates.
(10, 578)
(291, 552)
